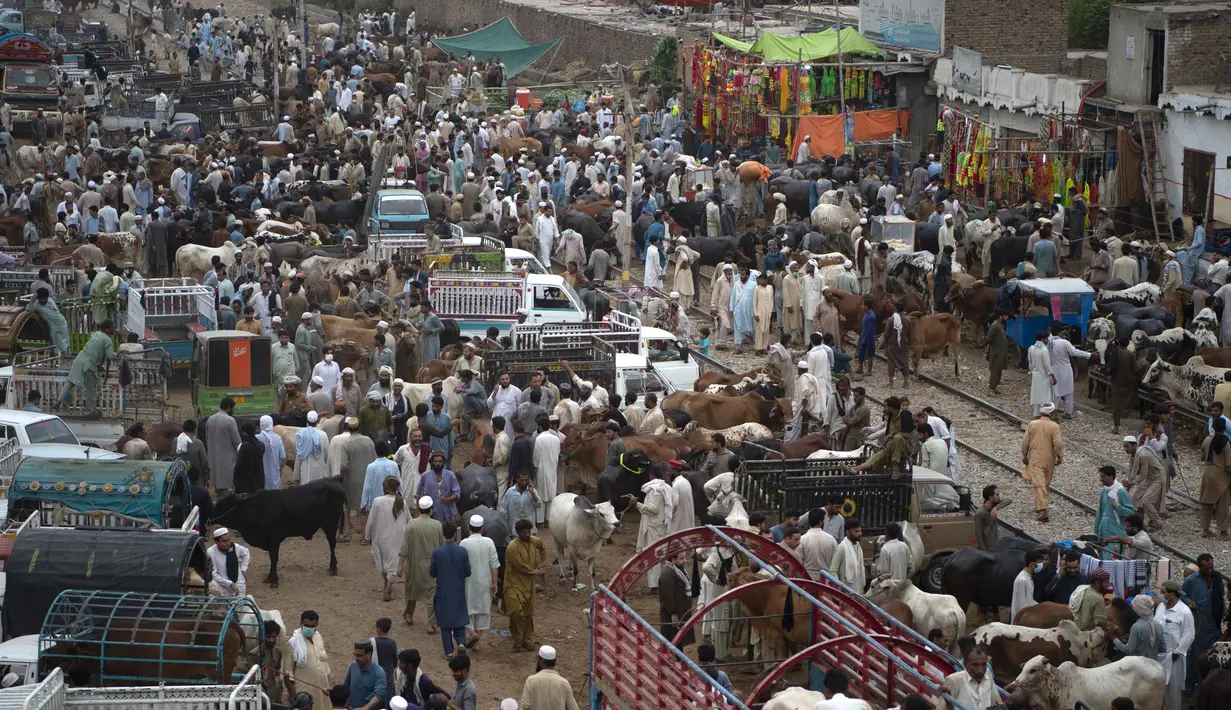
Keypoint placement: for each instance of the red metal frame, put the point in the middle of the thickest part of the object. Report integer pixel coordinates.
(694, 538)
(873, 677)
(635, 668)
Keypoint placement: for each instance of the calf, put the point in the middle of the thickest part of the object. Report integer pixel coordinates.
(939, 333)
(1049, 687)
(720, 411)
(930, 611)
(1044, 615)
(975, 303)
(720, 378)
(1011, 647)
(1194, 381)
(582, 528)
(269, 516)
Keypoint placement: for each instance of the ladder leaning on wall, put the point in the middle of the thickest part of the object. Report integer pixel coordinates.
(1155, 183)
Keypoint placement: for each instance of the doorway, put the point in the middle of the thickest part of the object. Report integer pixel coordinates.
(1198, 172)
(1158, 61)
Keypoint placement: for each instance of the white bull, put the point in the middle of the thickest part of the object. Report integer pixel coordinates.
(931, 611)
(796, 699)
(832, 220)
(736, 435)
(1194, 381)
(581, 527)
(327, 29)
(1049, 687)
(194, 260)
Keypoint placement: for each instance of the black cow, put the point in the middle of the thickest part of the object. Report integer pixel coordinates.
(1007, 251)
(689, 215)
(1120, 308)
(617, 483)
(1126, 325)
(334, 213)
(478, 484)
(927, 237)
(796, 192)
(842, 174)
(986, 578)
(583, 224)
(268, 517)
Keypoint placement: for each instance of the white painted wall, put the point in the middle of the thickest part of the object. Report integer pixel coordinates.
(1196, 132)
(1015, 90)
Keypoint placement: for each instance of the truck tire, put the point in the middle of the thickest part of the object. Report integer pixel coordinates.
(933, 578)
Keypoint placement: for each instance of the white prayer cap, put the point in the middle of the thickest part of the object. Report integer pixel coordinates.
(542, 205)
(10, 679)
(470, 175)
(476, 521)
(508, 704)
(382, 324)
(161, 201)
(425, 503)
(1047, 408)
(93, 184)
(675, 295)
(398, 381)
(306, 315)
(587, 385)
(68, 193)
(619, 203)
(847, 264)
(547, 653)
(1170, 253)
(318, 380)
(348, 371)
(682, 240)
(812, 262)
(221, 532)
(728, 267)
(398, 703)
(948, 218)
(1127, 439)
(313, 417)
(779, 197)
(290, 380)
(793, 263)
(931, 156)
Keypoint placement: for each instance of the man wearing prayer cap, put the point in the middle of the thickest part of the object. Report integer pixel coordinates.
(293, 400)
(547, 688)
(311, 447)
(1146, 481)
(1042, 450)
(229, 566)
(423, 535)
(481, 584)
(1179, 631)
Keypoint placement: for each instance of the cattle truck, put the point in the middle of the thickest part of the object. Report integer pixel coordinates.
(479, 300)
(30, 81)
(591, 358)
(931, 500)
(169, 313)
(670, 357)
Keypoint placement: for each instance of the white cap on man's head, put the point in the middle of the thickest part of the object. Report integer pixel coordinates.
(547, 653)
(425, 503)
(398, 703)
(476, 521)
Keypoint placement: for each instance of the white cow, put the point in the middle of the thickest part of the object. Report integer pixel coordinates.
(736, 435)
(931, 611)
(1194, 381)
(979, 232)
(832, 220)
(913, 540)
(1048, 687)
(1008, 644)
(796, 699)
(582, 528)
(1146, 294)
(193, 260)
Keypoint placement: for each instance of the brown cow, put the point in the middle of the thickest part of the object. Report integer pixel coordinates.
(1010, 647)
(767, 605)
(801, 447)
(434, 369)
(899, 610)
(270, 149)
(586, 449)
(1215, 357)
(508, 147)
(360, 329)
(939, 333)
(850, 308)
(717, 411)
(1044, 615)
(975, 303)
(720, 378)
(583, 152)
(12, 228)
(593, 209)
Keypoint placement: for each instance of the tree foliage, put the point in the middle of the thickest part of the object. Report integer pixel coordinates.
(665, 62)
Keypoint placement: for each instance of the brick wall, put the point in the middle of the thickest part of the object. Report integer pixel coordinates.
(1197, 49)
(583, 40)
(1033, 36)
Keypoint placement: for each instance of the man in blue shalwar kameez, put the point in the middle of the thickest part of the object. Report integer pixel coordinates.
(1114, 505)
(57, 326)
(741, 306)
(1206, 593)
(451, 566)
(374, 481)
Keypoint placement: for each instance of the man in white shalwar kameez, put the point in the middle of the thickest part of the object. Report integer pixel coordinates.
(1041, 376)
(812, 286)
(481, 584)
(894, 558)
(504, 400)
(230, 576)
(334, 452)
(806, 399)
(820, 361)
(546, 464)
(656, 513)
(1062, 353)
(847, 564)
(685, 516)
(1179, 631)
(311, 452)
(716, 624)
(943, 432)
(654, 269)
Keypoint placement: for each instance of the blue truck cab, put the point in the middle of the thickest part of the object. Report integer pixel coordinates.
(398, 211)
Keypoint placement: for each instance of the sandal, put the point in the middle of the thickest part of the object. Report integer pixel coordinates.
(431, 630)
(410, 620)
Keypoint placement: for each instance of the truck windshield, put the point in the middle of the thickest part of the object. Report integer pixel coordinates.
(50, 431)
(663, 350)
(26, 79)
(403, 205)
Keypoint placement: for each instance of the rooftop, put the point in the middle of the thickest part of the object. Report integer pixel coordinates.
(1179, 8)
(1204, 100)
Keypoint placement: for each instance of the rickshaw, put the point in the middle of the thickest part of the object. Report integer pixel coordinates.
(235, 364)
(1044, 301)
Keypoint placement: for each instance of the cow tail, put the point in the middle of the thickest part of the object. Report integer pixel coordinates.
(696, 578)
(788, 612)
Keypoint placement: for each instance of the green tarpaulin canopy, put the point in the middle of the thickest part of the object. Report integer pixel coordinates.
(498, 40)
(821, 45)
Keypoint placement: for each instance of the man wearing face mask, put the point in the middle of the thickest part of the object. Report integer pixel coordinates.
(1023, 585)
(305, 666)
(328, 371)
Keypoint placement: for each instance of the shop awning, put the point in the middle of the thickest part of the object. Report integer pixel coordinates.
(810, 47)
(499, 40)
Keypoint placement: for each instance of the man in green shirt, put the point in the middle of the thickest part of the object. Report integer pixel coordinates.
(1090, 610)
(997, 344)
(84, 374)
(374, 417)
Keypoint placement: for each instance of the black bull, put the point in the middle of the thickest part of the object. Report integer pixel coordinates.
(796, 192)
(986, 578)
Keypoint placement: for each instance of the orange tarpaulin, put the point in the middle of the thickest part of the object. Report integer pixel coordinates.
(827, 131)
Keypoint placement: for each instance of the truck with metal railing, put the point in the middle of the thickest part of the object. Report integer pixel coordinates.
(479, 300)
(590, 358)
(30, 81)
(671, 357)
(168, 313)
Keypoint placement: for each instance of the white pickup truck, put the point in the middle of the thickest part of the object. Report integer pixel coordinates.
(48, 436)
(478, 300)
